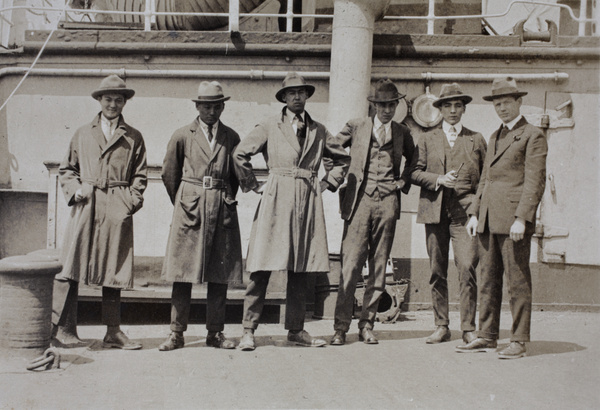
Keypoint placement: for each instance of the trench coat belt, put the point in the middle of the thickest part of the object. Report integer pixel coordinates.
(207, 182)
(294, 172)
(103, 183)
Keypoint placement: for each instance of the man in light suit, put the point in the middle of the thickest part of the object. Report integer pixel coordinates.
(447, 166)
(503, 214)
(370, 206)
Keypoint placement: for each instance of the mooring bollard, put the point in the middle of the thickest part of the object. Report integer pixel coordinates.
(26, 284)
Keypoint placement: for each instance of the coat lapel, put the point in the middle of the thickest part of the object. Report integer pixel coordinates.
(288, 132)
(440, 143)
(397, 148)
(467, 142)
(219, 141)
(120, 131)
(512, 136)
(199, 138)
(97, 132)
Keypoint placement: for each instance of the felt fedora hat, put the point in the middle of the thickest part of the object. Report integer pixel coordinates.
(113, 84)
(210, 92)
(452, 92)
(384, 91)
(293, 80)
(503, 87)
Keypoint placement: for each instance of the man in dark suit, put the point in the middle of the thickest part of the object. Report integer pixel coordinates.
(503, 214)
(447, 167)
(370, 206)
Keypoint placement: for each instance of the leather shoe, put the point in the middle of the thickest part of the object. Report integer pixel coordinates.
(469, 336)
(119, 340)
(478, 345)
(302, 338)
(366, 335)
(219, 341)
(339, 338)
(247, 342)
(514, 350)
(174, 341)
(441, 334)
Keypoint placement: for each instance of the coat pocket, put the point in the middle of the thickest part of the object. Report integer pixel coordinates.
(230, 219)
(191, 216)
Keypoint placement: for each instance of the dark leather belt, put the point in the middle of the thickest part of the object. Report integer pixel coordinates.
(207, 182)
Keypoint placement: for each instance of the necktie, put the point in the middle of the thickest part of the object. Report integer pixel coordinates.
(210, 133)
(381, 135)
(299, 129)
(452, 136)
(502, 134)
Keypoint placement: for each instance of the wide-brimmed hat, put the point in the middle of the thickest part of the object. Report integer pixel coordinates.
(113, 84)
(293, 80)
(384, 91)
(210, 92)
(503, 87)
(451, 92)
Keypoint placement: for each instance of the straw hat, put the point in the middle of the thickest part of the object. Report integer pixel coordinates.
(292, 80)
(502, 87)
(452, 92)
(113, 84)
(210, 92)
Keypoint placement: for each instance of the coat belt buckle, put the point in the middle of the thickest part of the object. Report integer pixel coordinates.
(207, 182)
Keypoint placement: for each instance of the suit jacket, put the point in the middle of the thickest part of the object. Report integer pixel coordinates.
(429, 163)
(513, 179)
(357, 134)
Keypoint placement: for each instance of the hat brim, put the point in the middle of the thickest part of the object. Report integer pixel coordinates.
(211, 100)
(398, 98)
(280, 93)
(465, 98)
(493, 97)
(126, 92)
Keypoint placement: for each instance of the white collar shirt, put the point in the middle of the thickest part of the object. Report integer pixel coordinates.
(215, 128)
(510, 125)
(377, 124)
(108, 126)
(451, 136)
(294, 121)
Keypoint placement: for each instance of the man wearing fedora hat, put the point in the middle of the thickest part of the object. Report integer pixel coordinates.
(288, 233)
(204, 242)
(103, 178)
(503, 215)
(447, 167)
(370, 206)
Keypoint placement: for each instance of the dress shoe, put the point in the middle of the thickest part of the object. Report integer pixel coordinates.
(218, 340)
(174, 341)
(514, 350)
(366, 335)
(302, 338)
(469, 336)
(478, 345)
(339, 338)
(247, 342)
(441, 334)
(119, 340)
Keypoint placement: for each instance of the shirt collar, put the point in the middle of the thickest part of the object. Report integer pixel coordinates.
(446, 127)
(204, 127)
(290, 115)
(377, 123)
(109, 123)
(514, 122)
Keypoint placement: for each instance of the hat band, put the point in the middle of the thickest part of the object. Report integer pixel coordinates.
(505, 90)
(210, 97)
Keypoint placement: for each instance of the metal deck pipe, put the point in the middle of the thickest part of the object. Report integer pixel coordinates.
(351, 55)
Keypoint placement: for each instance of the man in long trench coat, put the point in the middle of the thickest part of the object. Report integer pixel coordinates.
(103, 178)
(204, 242)
(288, 233)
